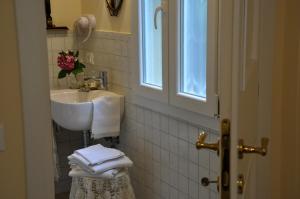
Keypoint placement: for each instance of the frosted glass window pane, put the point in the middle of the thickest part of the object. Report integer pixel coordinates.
(152, 44)
(194, 47)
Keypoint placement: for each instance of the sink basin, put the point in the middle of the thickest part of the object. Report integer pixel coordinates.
(73, 110)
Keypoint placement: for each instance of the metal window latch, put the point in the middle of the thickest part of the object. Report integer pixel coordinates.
(163, 9)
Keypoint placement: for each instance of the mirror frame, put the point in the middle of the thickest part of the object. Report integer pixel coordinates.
(113, 10)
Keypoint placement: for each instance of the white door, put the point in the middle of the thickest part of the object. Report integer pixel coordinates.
(249, 110)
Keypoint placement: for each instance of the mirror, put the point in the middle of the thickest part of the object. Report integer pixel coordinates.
(48, 13)
(114, 6)
(49, 19)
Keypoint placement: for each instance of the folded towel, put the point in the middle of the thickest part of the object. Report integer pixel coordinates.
(98, 154)
(106, 116)
(122, 162)
(78, 172)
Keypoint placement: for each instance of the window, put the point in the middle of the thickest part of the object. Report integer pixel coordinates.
(178, 52)
(151, 45)
(193, 52)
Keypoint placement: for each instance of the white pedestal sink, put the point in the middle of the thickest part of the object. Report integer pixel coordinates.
(73, 110)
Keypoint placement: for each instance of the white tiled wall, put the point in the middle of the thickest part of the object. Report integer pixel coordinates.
(166, 163)
(58, 41)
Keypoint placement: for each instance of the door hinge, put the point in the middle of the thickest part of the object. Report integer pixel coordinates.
(217, 114)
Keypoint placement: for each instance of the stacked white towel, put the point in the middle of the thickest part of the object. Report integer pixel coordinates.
(98, 161)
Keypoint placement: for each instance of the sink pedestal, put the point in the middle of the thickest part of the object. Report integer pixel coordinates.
(86, 138)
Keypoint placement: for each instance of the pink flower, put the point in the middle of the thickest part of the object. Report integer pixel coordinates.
(66, 62)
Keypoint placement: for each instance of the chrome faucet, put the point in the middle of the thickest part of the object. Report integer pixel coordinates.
(103, 77)
(95, 83)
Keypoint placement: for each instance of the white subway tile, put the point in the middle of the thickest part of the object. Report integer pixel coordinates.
(141, 145)
(214, 162)
(193, 153)
(184, 167)
(173, 178)
(70, 43)
(183, 148)
(173, 127)
(165, 174)
(156, 136)
(156, 170)
(174, 193)
(155, 120)
(193, 189)
(120, 78)
(183, 184)
(164, 190)
(174, 162)
(164, 123)
(203, 192)
(148, 180)
(130, 111)
(164, 157)
(50, 60)
(193, 134)
(204, 159)
(156, 186)
(58, 43)
(183, 131)
(140, 115)
(148, 150)
(148, 133)
(148, 193)
(49, 43)
(140, 130)
(156, 153)
(164, 140)
(214, 195)
(173, 141)
(183, 195)
(193, 172)
(125, 49)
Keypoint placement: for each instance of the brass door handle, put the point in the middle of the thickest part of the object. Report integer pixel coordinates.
(262, 150)
(200, 144)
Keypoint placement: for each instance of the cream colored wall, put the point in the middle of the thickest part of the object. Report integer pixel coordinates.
(121, 23)
(65, 12)
(12, 163)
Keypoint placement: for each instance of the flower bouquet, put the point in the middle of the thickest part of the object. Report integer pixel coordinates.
(69, 63)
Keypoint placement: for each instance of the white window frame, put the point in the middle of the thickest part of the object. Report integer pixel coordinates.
(208, 106)
(141, 88)
(171, 44)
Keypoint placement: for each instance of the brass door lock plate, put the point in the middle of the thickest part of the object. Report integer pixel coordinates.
(240, 183)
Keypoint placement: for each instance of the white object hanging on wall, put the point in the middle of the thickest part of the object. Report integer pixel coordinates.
(84, 26)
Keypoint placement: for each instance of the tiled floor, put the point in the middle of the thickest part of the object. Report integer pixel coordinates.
(62, 196)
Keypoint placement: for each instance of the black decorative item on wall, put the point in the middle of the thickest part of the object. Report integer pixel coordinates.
(114, 6)
(49, 21)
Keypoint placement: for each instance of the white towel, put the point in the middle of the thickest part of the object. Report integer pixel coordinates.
(98, 154)
(78, 172)
(122, 162)
(106, 116)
